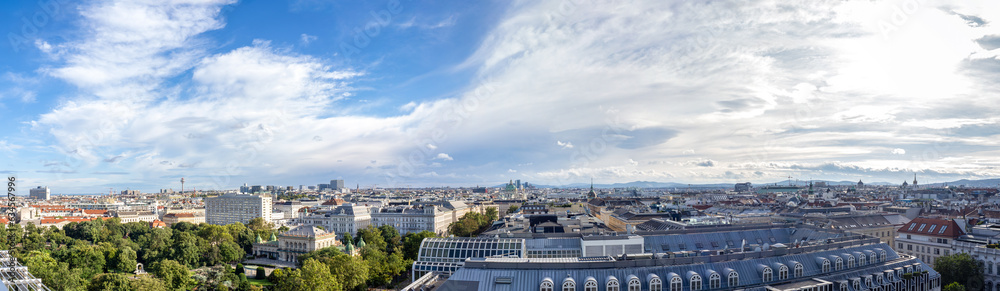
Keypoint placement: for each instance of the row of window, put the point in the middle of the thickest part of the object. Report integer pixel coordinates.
(714, 280)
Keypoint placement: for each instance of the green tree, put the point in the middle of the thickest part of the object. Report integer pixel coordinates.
(174, 274)
(959, 268)
(373, 238)
(391, 237)
(88, 258)
(491, 214)
(411, 243)
(513, 209)
(155, 244)
(54, 274)
(110, 282)
(185, 249)
(954, 286)
(126, 260)
(147, 283)
(316, 276)
(351, 271)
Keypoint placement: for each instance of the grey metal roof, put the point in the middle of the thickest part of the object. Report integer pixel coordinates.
(527, 279)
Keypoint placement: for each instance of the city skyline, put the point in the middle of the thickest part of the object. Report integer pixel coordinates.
(122, 94)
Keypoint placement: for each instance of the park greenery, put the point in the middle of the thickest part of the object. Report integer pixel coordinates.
(103, 255)
(473, 223)
(961, 269)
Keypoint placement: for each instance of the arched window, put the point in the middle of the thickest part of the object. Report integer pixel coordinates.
(882, 256)
(798, 270)
(675, 284)
(546, 285)
(826, 266)
(843, 287)
(767, 275)
(569, 285)
(783, 272)
(840, 264)
(714, 281)
(857, 284)
(655, 284)
(613, 285)
(634, 284)
(861, 260)
(734, 279)
(696, 282)
(868, 281)
(872, 258)
(590, 285)
(850, 262)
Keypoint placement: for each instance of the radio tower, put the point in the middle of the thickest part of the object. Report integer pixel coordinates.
(182, 185)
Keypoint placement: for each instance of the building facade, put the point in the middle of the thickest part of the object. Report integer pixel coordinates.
(800, 259)
(173, 218)
(291, 244)
(136, 216)
(231, 207)
(346, 218)
(928, 238)
(40, 193)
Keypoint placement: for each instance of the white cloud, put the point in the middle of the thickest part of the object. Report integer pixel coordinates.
(306, 39)
(511, 171)
(771, 90)
(898, 151)
(565, 145)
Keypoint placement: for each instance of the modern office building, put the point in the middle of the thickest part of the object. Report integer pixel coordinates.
(39, 193)
(336, 185)
(780, 257)
(231, 207)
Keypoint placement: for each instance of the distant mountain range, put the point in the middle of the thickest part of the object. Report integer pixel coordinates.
(650, 184)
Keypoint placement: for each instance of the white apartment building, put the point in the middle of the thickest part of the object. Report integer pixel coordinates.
(136, 216)
(347, 218)
(928, 238)
(231, 207)
(434, 217)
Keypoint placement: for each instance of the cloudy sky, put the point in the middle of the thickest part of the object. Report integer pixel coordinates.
(136, 94)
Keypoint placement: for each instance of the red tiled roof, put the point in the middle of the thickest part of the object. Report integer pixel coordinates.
(95, 211)
(53, 220)
(932, 227)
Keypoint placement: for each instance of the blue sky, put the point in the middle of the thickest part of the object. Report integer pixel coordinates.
(136, 94)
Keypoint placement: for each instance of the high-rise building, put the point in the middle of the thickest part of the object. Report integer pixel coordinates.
(337, 184)
(40, 193)
(231, 207)
(743, 187)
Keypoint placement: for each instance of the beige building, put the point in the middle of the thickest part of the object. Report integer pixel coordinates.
(232, 207)
(136, 216)
(172, 218)
(291, 244)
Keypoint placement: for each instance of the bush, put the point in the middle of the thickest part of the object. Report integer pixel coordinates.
(260, 273)
(240, 269)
